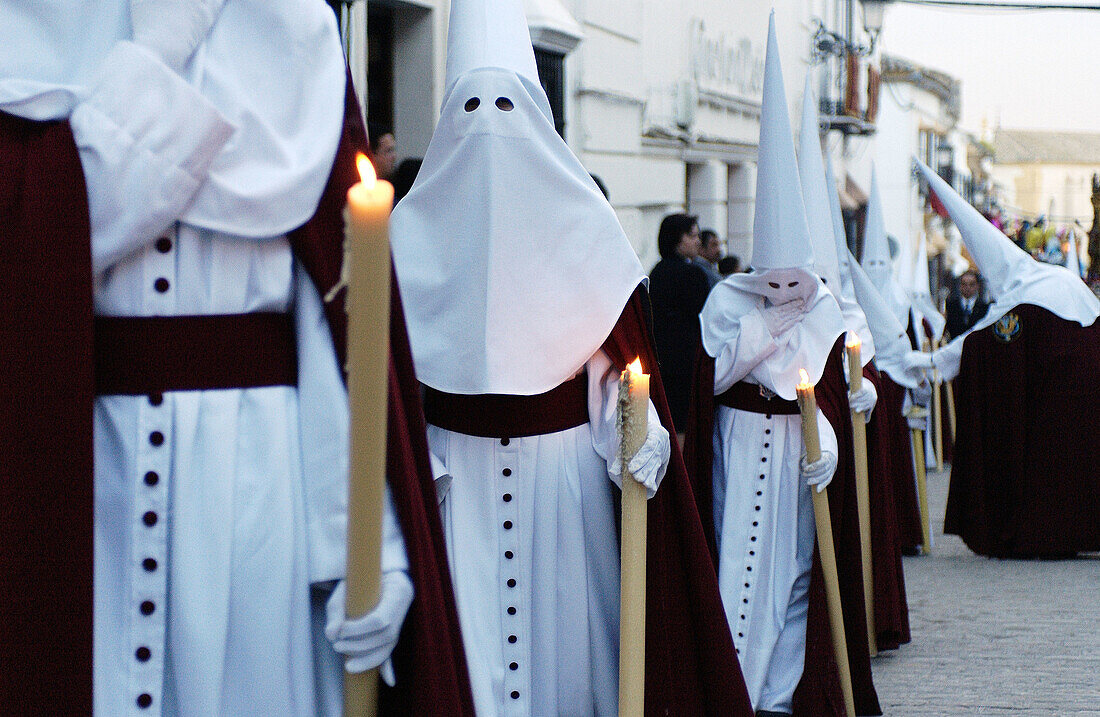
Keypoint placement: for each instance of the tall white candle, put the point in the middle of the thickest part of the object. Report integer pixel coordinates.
(366, 224)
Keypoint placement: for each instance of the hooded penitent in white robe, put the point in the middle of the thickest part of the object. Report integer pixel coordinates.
(876, 257)
(1012, 277)
(207, 540)
(514, 271)
(763, 510)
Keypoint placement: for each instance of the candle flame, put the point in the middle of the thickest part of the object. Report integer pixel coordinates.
(805, 382)
(854, 341)
(635, 366)
(366, 170)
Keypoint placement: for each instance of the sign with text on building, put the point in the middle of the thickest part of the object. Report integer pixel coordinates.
(724, 64)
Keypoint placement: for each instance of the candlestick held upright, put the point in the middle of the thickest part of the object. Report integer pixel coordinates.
(367, 272)
(863, 489)
(633, 419)
(807, 403)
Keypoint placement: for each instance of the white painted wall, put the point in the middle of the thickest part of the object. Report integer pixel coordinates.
(652, 88)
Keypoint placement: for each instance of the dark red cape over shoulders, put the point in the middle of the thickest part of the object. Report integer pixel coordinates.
(884, 458)
(1024, 482)
(46, 394)
(691, 665)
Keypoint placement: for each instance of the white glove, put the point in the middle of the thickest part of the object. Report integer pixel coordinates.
(173, 29)
(781, 318)
(921, 360)
(649, 464)
(864, 399)
(368, 641)
(820, 472)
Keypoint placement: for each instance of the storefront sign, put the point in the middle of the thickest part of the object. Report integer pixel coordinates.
(724, 64)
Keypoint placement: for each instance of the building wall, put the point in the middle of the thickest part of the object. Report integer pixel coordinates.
(1061, 191)
(666, 100)
(662, 100)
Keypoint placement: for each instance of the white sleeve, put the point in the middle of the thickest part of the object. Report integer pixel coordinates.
(323, 437)
(947, 359)
(146, 140)
(603, 398)
(740, 356)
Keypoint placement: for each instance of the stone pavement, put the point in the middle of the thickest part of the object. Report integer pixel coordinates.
(994, 637)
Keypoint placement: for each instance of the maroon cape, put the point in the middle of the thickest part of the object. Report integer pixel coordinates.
(1025, 482)
(890, 426)
(884, 459)
(818, 693)
(46, 485)
(46, 394)
(691, 665)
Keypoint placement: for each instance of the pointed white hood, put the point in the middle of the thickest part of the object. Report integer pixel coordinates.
(919, 288)
(891, 342)
(513, 266)
(1011, 275)
(816, 190)
(876, 257)
(782, 258)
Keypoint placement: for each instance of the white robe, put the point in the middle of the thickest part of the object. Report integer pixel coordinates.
(764, 524)
(538, 510)
(229, 630)
(205, 545)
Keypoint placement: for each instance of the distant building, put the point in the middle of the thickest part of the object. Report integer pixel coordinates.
(1046, 173)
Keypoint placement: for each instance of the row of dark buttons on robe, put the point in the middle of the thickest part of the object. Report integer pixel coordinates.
(150, 518)
(509, 555)
(755, 523)
(163, 245)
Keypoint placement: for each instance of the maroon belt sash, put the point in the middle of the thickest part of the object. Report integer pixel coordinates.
(154, 354)
(505, 416)
(750, 397)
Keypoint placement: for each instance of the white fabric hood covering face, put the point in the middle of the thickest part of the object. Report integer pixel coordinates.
(782, 259)
(1011, 275)
(513, 267)
(876, 258)
(269, 176)
(891, 341)
(815, 193)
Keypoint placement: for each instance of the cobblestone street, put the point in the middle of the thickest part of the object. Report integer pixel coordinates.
(994, 637)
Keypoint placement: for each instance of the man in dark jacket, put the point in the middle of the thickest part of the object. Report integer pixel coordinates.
(967, 308)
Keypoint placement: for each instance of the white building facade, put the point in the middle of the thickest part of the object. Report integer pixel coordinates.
(660, 100)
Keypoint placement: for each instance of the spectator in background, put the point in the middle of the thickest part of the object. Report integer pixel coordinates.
(965, 308)
(601, 186)
(678, 290)
(729, 265)
(404, 176)
(710, 252)
(1036, 237)
(383, 150)
(1021, 234)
